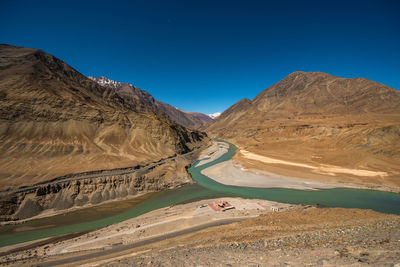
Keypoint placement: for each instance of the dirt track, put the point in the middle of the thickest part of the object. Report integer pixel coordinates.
(122, 248)
(147, 228)
(313, 237)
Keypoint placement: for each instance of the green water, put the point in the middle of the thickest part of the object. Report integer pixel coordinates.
(339, 197)
(208, 188)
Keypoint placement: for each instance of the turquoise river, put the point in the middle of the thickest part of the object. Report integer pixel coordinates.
(208, 188)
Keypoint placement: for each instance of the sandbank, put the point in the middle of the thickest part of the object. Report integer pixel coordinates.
(229, 173)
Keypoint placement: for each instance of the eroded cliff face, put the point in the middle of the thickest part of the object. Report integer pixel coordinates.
(55, 122)
(80, 190)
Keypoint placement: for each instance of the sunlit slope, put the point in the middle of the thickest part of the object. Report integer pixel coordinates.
(145, 102)
(317, 118)
(55, 121)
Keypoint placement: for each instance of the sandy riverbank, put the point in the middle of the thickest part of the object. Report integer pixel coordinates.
(255, 170)
(232, 173)
(166, 220)
(323, 169)
(213, 152)
(316, 172)
(229, 173)
(295, 237)
(153, 224)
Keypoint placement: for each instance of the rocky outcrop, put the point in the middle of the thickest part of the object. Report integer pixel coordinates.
(80, 190)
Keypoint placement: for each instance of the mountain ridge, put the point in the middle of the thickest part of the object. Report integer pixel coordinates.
(139, 97)
(336, 89)
(56, 121)
(316, 118)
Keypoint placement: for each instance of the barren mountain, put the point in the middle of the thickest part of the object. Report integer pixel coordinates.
(319, 119)
(55, 121)
(145, 102)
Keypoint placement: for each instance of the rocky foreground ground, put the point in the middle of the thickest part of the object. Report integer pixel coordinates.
(311, 237)
(302, 236)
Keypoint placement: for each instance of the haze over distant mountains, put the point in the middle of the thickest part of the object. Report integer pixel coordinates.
(146, 103)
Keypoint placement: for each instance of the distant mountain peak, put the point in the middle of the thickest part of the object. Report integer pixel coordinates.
(144, 102)
(322, 93)
(214, 115)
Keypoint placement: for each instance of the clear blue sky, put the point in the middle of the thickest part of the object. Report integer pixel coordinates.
(206, 55)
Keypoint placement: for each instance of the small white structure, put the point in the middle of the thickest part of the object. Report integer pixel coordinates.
(273, 208)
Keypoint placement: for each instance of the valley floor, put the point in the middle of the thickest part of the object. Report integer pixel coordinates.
(145, 228)
(212, 233)
(230, 173)
(289, 237)
(252, 169)
(317, 172)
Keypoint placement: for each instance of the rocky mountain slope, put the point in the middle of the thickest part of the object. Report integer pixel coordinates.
(145, 102)
(55, 122)
(318, 118)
